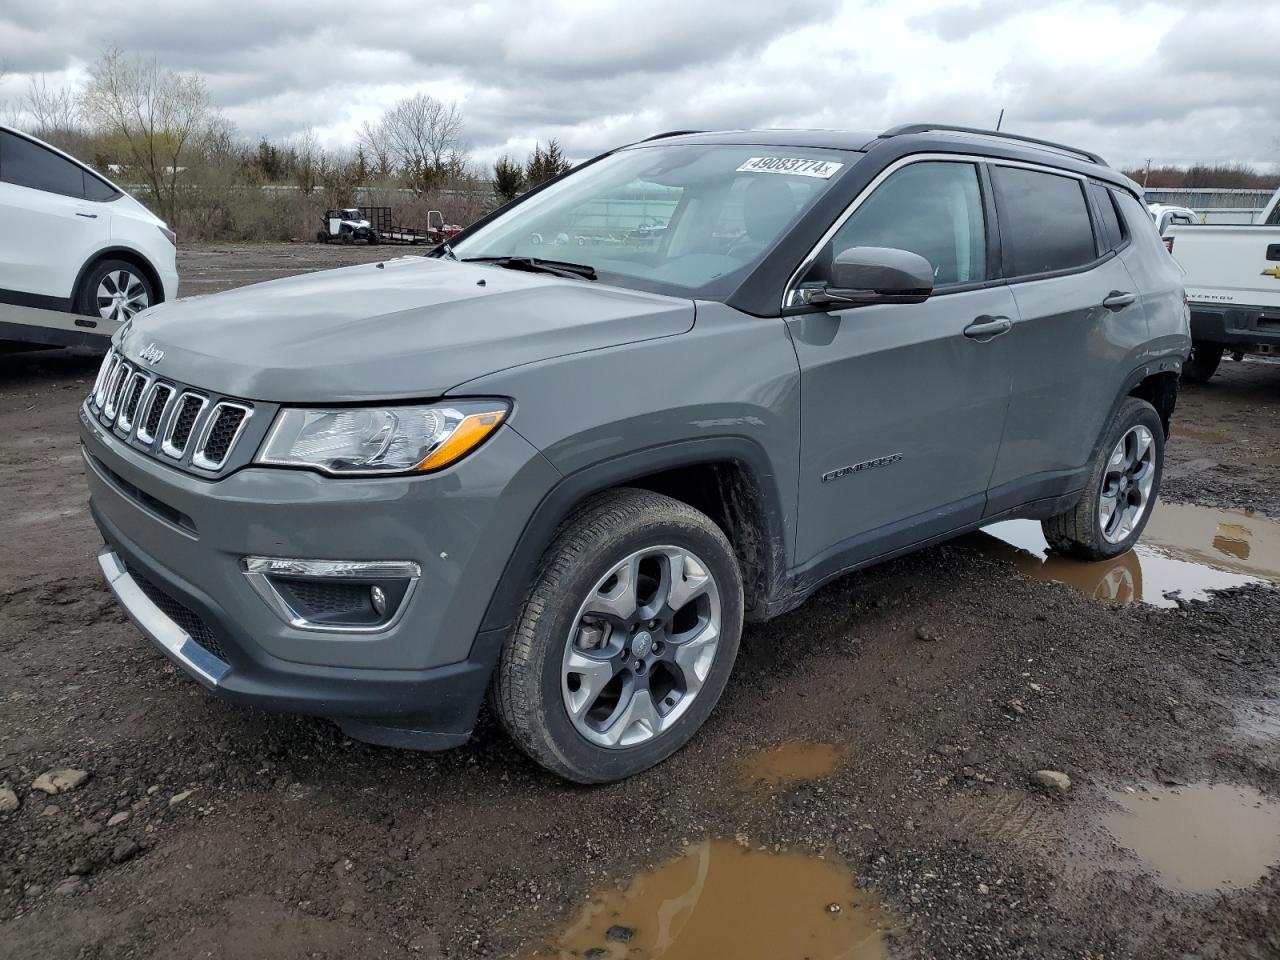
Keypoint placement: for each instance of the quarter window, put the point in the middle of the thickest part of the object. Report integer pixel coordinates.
(27, 164)
(933, 209)
(1044, 221)
(1113, 235)
(97, 189)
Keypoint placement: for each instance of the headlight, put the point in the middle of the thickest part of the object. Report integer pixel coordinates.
(377, 440)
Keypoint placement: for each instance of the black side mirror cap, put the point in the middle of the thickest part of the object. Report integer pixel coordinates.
(863, 275)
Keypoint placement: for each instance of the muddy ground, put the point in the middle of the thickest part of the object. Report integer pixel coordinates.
(248, 835)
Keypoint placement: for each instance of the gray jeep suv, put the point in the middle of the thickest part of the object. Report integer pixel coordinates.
(563, 459)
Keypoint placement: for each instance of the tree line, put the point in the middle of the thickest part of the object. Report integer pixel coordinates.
(158, 131)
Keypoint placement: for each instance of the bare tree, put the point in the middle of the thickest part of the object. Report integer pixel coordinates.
(9, 112)
(421, 133)
(377, 145)
(50, 109)
(158, 118)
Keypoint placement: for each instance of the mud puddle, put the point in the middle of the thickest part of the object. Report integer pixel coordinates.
(1204, 436)
(1199, 838)
(1257, 719)
(1185, 551)
(797, 761)
(721, 899)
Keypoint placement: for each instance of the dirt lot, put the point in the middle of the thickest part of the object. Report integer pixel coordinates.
(890, 726)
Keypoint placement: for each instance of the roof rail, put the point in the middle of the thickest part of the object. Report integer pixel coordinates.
(670, 133)
(908, 128)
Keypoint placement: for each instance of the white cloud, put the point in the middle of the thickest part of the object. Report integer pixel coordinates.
(1175, 80)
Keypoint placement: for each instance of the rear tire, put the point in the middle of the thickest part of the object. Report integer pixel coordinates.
(322, 236)
(114, 290)
(1121, 491)
(1203, 362)
(600, 679)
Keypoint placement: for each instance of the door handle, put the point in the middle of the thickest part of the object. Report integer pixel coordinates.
(987, 328)
(1118, 301)
(87, 216)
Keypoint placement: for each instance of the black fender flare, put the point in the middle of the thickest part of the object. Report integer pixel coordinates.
(560, 501)
(1135, 377)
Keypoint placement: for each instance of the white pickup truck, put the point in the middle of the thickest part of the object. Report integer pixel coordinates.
(1233, 285)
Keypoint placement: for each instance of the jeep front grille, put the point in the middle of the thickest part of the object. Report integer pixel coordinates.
(221, 431)
(130, 397)
(158, 402)
(190, 406)
(189, 428)
(115, 387)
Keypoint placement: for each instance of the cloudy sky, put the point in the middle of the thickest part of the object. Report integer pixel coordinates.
(1177, 81)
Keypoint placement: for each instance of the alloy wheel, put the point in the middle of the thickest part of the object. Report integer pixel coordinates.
(1126, 484)
(121, 295)
(641, 647)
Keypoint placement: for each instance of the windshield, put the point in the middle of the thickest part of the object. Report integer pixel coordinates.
(685, 219)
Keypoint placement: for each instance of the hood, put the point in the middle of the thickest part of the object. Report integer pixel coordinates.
(407, 329)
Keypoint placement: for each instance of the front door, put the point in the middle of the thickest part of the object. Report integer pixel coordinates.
(903, 405)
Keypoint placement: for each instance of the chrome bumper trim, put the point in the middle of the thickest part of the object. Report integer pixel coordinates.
(152, 621)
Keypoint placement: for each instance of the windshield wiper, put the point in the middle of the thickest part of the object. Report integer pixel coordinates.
(559, 268)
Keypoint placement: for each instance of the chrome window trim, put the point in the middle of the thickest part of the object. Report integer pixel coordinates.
(198, 459)
(889, 171)
(166, 445)
(145, 406)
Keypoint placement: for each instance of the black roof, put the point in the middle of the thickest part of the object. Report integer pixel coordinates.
(917, 138)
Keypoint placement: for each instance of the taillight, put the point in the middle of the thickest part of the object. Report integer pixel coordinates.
(169, 235)
(1168, 244)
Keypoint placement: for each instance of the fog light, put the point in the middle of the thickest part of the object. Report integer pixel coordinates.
(334, 596)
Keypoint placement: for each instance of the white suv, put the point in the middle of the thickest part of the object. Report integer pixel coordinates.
(74, 243)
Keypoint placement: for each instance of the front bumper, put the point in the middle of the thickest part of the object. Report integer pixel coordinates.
(174, 544)
(1239, 327)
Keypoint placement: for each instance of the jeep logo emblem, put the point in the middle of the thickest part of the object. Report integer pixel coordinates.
(151, 354)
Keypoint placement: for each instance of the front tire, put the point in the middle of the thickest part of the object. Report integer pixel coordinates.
(114, 290)
(625, 640)
(1203, 362)
(1121, 491)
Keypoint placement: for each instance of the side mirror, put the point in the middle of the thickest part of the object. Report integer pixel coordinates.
(873, 275)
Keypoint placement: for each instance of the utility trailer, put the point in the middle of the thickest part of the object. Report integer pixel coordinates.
(437, 230)
(32, 328)
(376, 225)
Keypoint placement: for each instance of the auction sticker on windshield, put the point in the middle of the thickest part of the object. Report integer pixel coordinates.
(796, 166)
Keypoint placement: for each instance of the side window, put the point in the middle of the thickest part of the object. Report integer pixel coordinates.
(29, 165)
(1137, 219)
(97, 189)
(1044, 221)
(930, 208)
(1273, 219)
(1113, 234)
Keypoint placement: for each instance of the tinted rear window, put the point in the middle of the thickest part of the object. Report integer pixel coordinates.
(1113, 234)
(30, 165)
(1044, 221)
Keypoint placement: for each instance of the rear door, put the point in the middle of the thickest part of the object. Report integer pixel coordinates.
(1080, 327)
(902, 405)
(47, 227)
